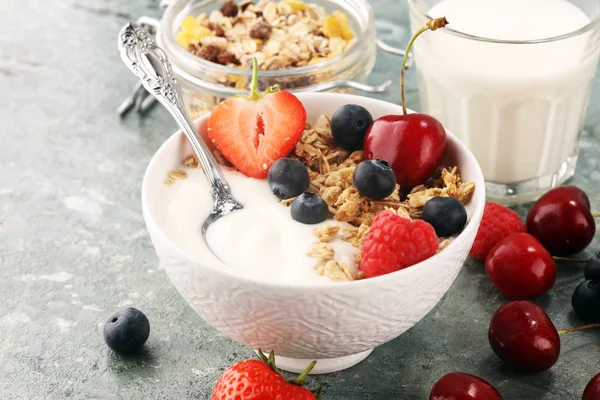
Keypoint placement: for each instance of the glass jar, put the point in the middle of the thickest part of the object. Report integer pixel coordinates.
(205, 84)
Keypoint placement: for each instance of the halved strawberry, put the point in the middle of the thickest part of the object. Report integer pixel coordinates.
(252, 132)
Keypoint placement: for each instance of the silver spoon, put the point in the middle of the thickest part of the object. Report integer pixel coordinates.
(149, 63)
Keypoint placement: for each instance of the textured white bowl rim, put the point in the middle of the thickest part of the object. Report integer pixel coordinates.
(370, 104)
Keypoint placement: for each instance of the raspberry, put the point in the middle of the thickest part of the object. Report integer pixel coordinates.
(497, 223)
(394, 243)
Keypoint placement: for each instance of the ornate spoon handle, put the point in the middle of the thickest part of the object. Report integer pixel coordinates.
(149, 63)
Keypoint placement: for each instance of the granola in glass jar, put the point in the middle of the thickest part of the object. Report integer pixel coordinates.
(281, 35)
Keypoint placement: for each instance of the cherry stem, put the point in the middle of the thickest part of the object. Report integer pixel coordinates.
(579, 328)
(596, 214)
(431, 25)
(581, 260)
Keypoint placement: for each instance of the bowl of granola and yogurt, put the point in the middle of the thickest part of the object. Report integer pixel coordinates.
(272, 283)
(299, 45)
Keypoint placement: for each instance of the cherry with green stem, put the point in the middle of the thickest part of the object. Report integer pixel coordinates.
(412, 144)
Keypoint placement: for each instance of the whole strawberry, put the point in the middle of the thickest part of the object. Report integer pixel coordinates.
(497, 223)
(253, 132)
(394, 243)
(260, 380)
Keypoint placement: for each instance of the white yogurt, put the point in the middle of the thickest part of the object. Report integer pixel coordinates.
(518, 107)
(261, 240)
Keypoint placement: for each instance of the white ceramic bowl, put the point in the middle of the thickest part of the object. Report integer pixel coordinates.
(337, 324)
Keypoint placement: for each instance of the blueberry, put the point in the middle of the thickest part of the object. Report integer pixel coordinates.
(288, 178)
(592, 268)
(127, 330)
(349, 124)
(446, 214)
(374, 179)
(586, 301)
(309, 208)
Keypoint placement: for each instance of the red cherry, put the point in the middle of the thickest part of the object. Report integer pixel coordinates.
(592, 389)
(461, 386)
(521, 267)
(413, 145)
(562, 221)
(524, 337)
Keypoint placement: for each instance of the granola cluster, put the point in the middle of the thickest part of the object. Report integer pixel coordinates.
(284, 34)
(331, 169)
(322, 250)
(175, 175)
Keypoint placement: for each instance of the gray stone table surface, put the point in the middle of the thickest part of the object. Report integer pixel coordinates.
(74, 249)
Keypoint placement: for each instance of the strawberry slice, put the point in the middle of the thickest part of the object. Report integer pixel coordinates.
(253, 132)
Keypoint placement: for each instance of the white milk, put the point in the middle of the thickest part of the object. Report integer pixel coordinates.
(518, 107)
(261, 240)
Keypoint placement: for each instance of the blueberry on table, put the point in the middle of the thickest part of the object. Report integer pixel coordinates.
(586, 301)
(309, 208)
(592, 268)
(288, 178)
(446, 214)
(349, 124)
(374, 179)
(127, 330)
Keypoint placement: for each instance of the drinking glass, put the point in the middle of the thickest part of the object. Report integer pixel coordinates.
(519, 105)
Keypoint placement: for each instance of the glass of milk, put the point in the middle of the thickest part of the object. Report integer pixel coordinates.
(512, 79)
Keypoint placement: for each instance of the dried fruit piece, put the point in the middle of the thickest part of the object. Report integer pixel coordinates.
(200, 33)
(184, 39)
(217, 29)
(316, 60)
(344, 24)
(191, 31)
(296, 5)
(189, 24)
(261, 31)
(229, 9)
(209, 53)
(331, 28)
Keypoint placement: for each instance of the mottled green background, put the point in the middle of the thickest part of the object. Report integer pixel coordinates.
(73, 247)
